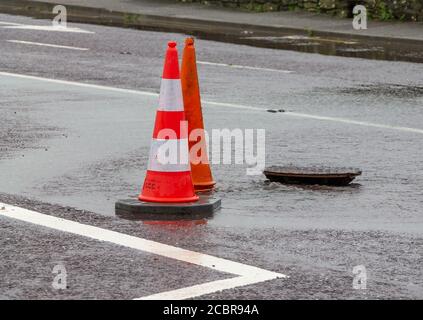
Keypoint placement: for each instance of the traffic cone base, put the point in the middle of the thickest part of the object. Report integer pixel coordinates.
(134, 209)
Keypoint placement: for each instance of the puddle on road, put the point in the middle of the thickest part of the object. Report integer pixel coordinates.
(375, 49)
(358, 48)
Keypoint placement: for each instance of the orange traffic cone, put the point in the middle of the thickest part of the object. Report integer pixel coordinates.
(200, 168)
(169, 182)
(168, 190)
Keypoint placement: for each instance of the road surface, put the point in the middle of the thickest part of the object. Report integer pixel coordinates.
(77, 111)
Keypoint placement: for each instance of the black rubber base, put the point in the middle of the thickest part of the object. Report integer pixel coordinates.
(139, 210)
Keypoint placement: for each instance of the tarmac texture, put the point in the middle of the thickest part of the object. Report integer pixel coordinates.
(71, 148)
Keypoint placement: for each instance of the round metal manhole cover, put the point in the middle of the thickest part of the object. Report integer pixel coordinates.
(311, 175)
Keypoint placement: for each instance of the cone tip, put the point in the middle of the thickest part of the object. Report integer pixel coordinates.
(171, 44)
(189, 41)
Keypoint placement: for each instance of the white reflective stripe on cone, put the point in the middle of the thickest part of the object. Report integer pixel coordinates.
(171, 95)
(169, 155)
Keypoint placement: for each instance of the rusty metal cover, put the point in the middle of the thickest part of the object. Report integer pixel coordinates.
(311, 175)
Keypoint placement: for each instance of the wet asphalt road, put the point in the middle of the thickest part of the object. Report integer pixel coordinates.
(69, 148)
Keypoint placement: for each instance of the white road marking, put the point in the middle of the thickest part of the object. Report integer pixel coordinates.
(205, 288)
(356, 122)
(46, 28)
(242, 67)
(232, 105)
(80, 84)
(46, 45)
(10, 23)
(246, 274)
(221, 104)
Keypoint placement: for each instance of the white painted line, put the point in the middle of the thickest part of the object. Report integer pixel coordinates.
(232, 105)
(46, 45)
(100, 234)
(10, 23)
(242, 67)
(356, 122)
(220, 104)
(46, 28)
(80, 84)
(254, 274)
(205, 288)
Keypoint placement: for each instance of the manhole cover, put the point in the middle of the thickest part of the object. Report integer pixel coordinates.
(311, 175)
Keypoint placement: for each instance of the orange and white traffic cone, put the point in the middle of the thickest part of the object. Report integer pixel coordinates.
(200, 168)
(169, 182)
(168, 190)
